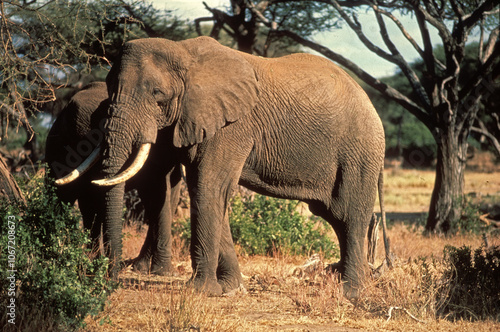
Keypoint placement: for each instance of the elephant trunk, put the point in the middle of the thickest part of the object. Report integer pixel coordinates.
(125, 132)
(112, 228)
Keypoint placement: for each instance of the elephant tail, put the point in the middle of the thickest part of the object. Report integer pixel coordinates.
(388, 256)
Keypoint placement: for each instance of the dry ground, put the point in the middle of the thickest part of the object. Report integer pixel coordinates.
(282, 295)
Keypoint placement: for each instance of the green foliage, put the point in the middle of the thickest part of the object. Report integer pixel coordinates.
(469, 221)
(303, 17)
(474, 283)
(18, 137)
(54, 272)
(48, 44)
(261, 225)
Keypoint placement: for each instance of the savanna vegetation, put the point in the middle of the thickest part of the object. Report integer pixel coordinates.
(446, 274)
(444, 283)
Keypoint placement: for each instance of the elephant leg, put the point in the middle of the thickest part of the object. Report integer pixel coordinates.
(210, 191)
(349, 216)
(142, 262)
(112, 227)
(228, 270)
(204, 249)
(159, 203)
(161, 262)
(352, 265)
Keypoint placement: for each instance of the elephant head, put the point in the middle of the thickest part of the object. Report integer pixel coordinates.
(197, 86)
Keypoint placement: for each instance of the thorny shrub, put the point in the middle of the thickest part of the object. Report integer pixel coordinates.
(57, 284)
(474, 283)
(464, 285)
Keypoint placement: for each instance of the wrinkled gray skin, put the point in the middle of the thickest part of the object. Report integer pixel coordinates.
(75, 133)
(295, 127)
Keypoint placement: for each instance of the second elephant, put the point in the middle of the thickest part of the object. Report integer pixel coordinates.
(77, 131)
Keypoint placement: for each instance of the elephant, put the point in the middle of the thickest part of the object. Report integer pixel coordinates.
(295, 127)
(73, 136)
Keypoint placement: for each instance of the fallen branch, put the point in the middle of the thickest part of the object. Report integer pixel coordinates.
(389, 314)
(485, 240)
(484, 218)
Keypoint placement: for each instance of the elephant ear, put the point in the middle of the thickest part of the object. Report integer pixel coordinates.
(221, 87)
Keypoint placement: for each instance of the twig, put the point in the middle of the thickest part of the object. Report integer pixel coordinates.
(486, 242)
(389, 314)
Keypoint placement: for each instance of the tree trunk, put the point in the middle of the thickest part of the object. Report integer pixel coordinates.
(9, 189)
(446, 201)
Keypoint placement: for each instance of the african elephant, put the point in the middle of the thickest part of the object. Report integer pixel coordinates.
(77, 131)
(295, 127)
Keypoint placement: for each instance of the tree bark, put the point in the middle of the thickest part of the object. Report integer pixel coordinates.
(9, 189)
(446, 200)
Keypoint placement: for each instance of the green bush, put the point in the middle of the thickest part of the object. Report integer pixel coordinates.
(474, 283)
(469, 221)
(57, 283)
(262, 225)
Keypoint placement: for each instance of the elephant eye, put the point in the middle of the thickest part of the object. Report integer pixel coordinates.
(157, 92)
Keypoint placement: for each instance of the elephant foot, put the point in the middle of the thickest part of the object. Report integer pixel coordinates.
(352, 286)
(236, 291)
(231, 285)
(335, 268)
(221, 287)
(207, 286)
(141, 265)
(114, 270)
(166, 270)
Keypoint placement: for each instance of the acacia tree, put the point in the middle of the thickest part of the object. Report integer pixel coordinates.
(442, 98)
(44, 44)
(243, 22)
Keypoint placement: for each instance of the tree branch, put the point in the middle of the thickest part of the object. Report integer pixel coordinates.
(481, 76)
(401, 28)
(481, 41)
(258, 12)
(8, 110)
(150, 31)
(401, 62)
(470, 21)
(356, 27)
(428, 54)
(437, 23)
(378, 85)
(490, 45)
(483, 131)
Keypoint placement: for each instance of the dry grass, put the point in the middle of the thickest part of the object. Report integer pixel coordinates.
(282, 295)
(408, 190)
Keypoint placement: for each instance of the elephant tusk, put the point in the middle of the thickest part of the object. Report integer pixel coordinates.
(84, 167)
(137, 164)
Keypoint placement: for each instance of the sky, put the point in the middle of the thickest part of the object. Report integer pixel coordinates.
(343, 41)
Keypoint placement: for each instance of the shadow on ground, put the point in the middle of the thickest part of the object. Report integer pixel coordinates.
(407, 217)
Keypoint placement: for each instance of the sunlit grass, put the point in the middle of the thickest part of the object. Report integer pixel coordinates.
(410, 190)
(281, 295)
